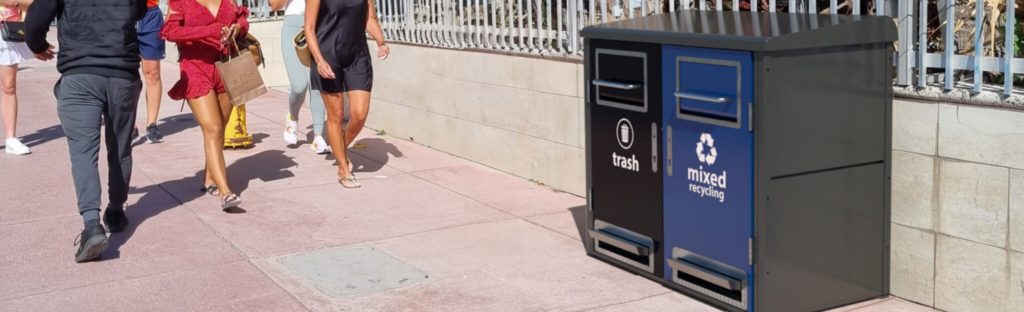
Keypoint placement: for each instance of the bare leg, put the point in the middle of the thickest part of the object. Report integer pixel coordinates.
(335, 111)
(154, 89)
(9, 98)
(209, 115)
(359, 108)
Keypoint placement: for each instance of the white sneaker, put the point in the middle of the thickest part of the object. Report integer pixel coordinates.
(320, 146)
(15, 147)
(291, 135)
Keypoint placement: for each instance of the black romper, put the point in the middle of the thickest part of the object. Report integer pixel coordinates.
(341, 33)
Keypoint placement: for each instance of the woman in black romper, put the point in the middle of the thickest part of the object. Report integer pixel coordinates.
(336, 36)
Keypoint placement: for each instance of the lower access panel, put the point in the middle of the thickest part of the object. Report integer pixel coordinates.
(625, 115)
(709, 150)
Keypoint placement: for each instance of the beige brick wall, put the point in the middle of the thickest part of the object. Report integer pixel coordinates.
(520, 115)
(958, 206)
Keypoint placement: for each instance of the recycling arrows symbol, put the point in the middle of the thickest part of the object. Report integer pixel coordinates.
(705, 138)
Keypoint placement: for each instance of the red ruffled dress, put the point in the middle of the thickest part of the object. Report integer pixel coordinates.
(197, 32)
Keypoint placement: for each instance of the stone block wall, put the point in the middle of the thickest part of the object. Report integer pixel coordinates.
(521, 115)
(958, 206)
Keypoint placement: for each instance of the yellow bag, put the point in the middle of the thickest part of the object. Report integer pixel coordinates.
(235, 135)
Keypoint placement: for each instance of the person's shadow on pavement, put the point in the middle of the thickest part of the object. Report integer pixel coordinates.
(41, 136)
(377, 151)
(264, 166)
(171, 125)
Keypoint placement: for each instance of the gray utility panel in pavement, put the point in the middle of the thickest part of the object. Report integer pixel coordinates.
(353, 270)
(743, 158)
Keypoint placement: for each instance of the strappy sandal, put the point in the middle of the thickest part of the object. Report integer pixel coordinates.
(349, 182)
(230, 201)
(210, 189)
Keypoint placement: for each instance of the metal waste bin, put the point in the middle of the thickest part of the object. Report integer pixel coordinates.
(625, 187)
(775, 131)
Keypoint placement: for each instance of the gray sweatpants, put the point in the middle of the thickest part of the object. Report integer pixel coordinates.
(298, 76)
(83, 103)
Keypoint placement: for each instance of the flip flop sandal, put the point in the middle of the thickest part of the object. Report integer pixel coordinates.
(210, 189)
(230, 201)
(349, 182)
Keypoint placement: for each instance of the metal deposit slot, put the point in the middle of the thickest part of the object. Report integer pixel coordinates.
(709, 277)
(623, 245)
(621, 79)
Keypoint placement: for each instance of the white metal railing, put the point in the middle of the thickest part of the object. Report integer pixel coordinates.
(551, 27)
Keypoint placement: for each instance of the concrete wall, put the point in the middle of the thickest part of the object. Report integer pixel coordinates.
(518, 114)
(958, 206)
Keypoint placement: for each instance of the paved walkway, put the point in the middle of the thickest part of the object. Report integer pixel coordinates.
(427, 232)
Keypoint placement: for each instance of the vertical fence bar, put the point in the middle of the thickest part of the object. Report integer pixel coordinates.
(880, 7)
(812, 6)
(671, 5)
(979, 20)
(833, 6)
(718, 5)
(551, 26)
(906, 39)
(1009, 53)
(771, 6)
(579, 25)
(529, 24)
(558, 4)
(703, 5)
(922, 43)
(572, 26)
(950, 43)
(856, 7)
(753, 6)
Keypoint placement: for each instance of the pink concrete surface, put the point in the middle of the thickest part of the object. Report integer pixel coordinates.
(234, 286)
(503, 192)
(489, 241)
(296, 220)
(161, 239)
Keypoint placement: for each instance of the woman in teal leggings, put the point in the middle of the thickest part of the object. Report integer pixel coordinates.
(298, 76)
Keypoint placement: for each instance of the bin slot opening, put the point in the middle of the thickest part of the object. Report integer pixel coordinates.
(622, 91)
(620, 79)
(731, 294)
(643, 260)
(710, 114)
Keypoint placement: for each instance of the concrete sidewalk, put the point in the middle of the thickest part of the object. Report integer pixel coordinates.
(427, 232)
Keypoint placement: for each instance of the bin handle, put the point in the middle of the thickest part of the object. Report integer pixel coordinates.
(694, 96)
(617, 85)
(621, 243)
(705, 274)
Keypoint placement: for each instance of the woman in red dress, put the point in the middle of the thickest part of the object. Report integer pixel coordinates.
(205, 30)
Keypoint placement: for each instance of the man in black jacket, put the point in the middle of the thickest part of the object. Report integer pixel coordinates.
(99, 65)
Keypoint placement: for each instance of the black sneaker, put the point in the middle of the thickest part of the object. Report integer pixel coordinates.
(135, 135)
(115, 220)
(153, 134)
(91, 243)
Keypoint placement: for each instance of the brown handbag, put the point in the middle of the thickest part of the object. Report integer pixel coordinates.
(250, 43)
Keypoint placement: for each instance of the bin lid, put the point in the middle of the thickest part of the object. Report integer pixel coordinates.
(749, 31)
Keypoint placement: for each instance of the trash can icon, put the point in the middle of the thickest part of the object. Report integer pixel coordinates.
(624, 137)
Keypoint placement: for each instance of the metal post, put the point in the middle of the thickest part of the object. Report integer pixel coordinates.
(922, 43)
(1008, 54)
(905, 41)
(950, 42)
(979, 20)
